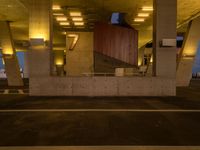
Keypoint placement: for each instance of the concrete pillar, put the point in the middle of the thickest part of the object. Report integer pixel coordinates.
(188, 53)
(40, 34)
(164, 27)
(79, 60)
(9, 55)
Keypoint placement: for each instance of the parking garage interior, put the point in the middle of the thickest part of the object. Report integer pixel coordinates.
(99, 73)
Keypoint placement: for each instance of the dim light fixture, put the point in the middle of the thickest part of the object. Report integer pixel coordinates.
(77, 19)
(61, 18)
(149, 8)
(143, 14)
(139, 19)
(58, 14)
(56, 7)
(79, 23)
(64, 32)
(75, 14)
(64, 23)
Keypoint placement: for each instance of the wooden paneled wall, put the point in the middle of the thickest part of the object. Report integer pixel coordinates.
(117, 42)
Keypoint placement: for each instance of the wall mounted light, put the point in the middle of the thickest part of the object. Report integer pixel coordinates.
(37, 42)
(7, 56)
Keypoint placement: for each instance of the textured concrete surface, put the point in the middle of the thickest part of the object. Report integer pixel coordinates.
(102, 86)
(188, 53)
(92, 128)
(80, 60)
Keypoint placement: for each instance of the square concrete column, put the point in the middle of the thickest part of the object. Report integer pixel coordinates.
(9, 55)
(164, 27)
(40, 35)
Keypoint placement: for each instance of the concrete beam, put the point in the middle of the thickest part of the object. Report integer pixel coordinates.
(40, 35)
(9, 55)
(188, 53)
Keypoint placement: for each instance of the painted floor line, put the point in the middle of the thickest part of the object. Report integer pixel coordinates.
(101, 110)
(104, 148)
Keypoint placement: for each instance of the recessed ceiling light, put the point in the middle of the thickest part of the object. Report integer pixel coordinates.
(147, 8)
(61, 18)
(143, 14)
(64, 23)
(75, 14)
(79, 23)
(139, 19)
(77, 19)
(56, 7)
(58, 14)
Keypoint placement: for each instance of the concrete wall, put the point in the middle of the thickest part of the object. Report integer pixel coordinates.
(102, 86)
(80, 59)
(106, 64)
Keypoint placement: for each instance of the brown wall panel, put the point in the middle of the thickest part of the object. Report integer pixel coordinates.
(118, 42)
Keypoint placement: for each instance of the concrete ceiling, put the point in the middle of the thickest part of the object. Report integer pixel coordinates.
(95, 10)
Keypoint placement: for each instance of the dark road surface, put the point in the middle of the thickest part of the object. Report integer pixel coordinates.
(74, 127)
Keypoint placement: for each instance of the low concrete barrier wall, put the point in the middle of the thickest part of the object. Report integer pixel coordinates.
(102, 86)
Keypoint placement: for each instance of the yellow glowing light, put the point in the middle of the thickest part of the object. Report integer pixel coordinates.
(139, 20)
(151, 60)
(8, 52)
(59, 62)
(64, 33)
(77, 19)
(58, 14)
(64, 23)
(139, 61)
(37, 36)
(75, 14)
(56, 7)
(79, 23)
(61, 18)
(149, 8)
(143, 14)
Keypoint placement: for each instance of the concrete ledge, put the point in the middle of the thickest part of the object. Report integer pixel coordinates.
(102, 86)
